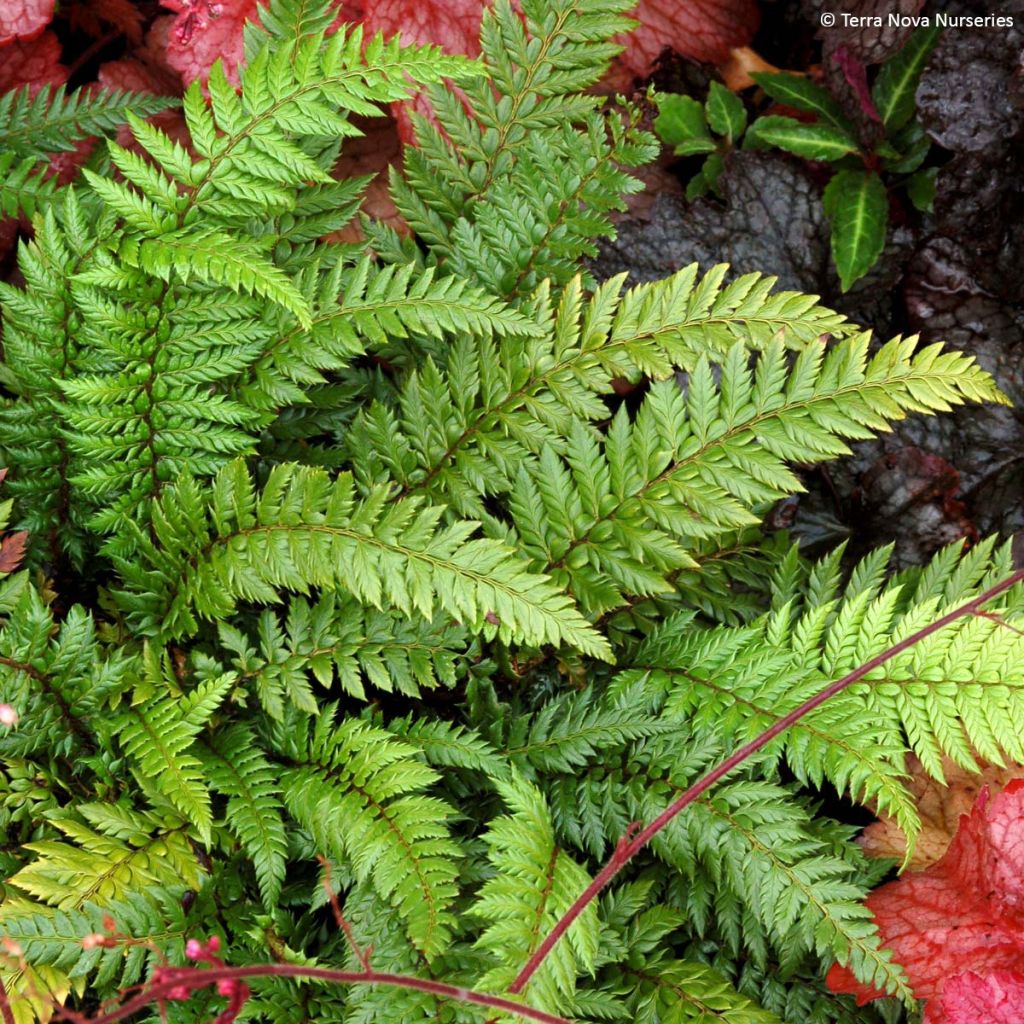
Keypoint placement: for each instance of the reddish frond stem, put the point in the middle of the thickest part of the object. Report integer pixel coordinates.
(624, 852)
(197, 978)
(361, 954)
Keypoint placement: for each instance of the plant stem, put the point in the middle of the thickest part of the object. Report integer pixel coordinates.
(630, 844)
(194, 978)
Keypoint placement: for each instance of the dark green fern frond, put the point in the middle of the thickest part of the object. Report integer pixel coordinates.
(360, 793)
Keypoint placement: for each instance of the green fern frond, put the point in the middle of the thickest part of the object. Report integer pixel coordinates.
(238, 768)
(360, 793)
(304, 530)
(53, 938)
(157, 736)
(97, 866)
(685, 992)
(618, 519)
(509, 193)
(37, 122)
(534, 884)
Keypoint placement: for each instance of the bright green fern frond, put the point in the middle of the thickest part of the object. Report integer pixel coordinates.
(519, 178)
(51, 120)
(53, 938)
(304, 530)
(618, 519)
(238, 768)
(535, 882)
(360, 793)
(96, 866)
(668, 991)
(362, 306)
(157, 736)
(959, 693)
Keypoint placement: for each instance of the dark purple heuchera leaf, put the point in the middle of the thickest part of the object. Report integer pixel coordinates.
(946, 301)
(770, 219)
(935, 479)
(971, 95)
(868, 42)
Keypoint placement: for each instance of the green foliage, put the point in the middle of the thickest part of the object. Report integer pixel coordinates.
(856, 201)
(35, 123)
(352, 551)
(857, 205)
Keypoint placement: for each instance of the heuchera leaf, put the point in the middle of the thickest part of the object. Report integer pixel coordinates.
(34, 62)
(940, 807)
(969, 998)
(454, 25)
(205, 32)
(961, 914)
(704, 30)
(23, 19)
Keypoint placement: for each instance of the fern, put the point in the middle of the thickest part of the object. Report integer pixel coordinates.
(238, 769)
(534, 884)
(304, 530)
(359, 793)
(352, 591)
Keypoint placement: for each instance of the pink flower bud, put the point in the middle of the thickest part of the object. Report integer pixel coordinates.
(226, 987)
(93, 940)
(193, 949)
(8, 716)
(213, 944)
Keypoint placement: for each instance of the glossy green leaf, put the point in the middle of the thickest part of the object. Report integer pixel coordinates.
(857, 204)
(811, 141)
(896, 85)
(801, 93)
(725, 112)
(681, 119)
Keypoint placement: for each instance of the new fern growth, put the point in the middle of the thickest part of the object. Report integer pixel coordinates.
(360, 622)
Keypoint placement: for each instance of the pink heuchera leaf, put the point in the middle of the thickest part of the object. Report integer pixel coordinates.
(964, 913)
(23, 19)
(969, 998)
(454, 25)
(704, 30)
(204, 31)
(32, 62)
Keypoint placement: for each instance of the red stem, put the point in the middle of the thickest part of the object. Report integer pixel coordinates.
(5, 1005)
(194, 978)
(629, 846)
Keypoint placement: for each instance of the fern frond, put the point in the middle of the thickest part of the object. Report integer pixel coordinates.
(507, 193)
(304, 530)
(53, 938)
(618, 520)
(360, 793)
(238, 768)
(534, 883)
(958, 694)
(36, 122)
(685, 992)
(94, 865)
(157, 736)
